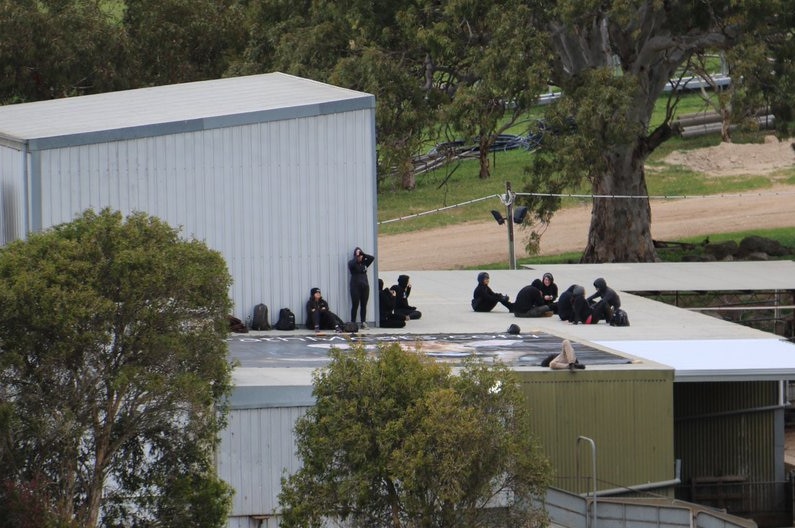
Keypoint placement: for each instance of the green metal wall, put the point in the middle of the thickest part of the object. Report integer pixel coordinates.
(628, 414)
(728, 428)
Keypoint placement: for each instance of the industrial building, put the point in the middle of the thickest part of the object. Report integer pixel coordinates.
(275, 172)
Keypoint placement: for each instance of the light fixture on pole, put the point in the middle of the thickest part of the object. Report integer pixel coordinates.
(513, 216)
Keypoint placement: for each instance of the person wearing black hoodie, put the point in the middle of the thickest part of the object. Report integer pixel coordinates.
(318, 316)
(359, 285)
(582, 313)
(484, 299)
(565, 305)
(387, 318)
(608, 302)
(530, 303)
(402, 291)
(549, 290)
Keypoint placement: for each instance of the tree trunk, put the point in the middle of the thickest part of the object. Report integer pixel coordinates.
(620, 228)
(483, 156)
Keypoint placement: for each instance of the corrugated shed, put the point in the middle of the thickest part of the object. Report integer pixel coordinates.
(729, 428)
(275, 172)
(627, 414)
(257, 449)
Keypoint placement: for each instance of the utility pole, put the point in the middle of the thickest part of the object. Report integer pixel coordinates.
(509, 199)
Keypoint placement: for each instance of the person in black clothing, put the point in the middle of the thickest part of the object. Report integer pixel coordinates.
(549, 290)
(581, 308)
(387, 318)
(484, 299)
(402, 291)
(530, 303)
(359, 285)
(318, 316)
(565, 305)
(608, 302)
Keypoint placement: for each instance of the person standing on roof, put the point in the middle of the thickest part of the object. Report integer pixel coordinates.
(359, 285)
(608, 302)
(484, 299)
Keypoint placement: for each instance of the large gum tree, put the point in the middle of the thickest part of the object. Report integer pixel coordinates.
(612, 59)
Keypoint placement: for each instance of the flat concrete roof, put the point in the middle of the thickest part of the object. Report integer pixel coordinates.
(696, 346)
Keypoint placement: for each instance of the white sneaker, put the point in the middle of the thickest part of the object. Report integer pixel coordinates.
(363, 326)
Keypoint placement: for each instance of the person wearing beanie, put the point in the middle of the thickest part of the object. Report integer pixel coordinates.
(484, 299)
(318, 316)
(387, 318)
(608, 302)
(359, 285)
(549, 290)
(402, 291)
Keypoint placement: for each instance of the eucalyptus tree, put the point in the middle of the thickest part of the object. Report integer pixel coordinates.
(612, 59)
(462, 65)
(395, 440)
(59, 48)
(113, 375)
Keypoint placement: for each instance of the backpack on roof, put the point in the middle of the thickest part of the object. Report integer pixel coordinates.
(619, 318)
(286, 320)
(260, 320)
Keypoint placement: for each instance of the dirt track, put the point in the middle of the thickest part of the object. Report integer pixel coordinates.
(476, 243)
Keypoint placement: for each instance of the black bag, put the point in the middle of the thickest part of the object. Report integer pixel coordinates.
(547, 360)
(286, 320)
(350, 328)
(260, 320)
(619, 318)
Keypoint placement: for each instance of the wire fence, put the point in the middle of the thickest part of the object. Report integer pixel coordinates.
(501, 197)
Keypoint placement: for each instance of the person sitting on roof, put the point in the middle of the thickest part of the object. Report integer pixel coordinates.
(530, 303)
(549, 290)
(484, 299)
(608, 302)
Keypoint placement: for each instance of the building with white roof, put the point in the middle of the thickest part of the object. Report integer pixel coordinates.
(274, 171)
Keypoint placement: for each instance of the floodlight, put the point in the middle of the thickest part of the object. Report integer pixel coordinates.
(498, 217)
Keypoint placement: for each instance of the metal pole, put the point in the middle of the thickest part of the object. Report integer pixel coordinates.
(593, 472)
(509, 205)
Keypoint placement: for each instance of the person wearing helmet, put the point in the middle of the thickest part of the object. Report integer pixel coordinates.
(484, 299)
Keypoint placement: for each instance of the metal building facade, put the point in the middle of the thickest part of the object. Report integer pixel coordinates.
(627, 414)
(275, 172)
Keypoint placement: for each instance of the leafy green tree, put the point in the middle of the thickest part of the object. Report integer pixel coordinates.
(113, 374)
(398, 440)
(465, 64)
(175, 41)
(59, 48)
(612, 60)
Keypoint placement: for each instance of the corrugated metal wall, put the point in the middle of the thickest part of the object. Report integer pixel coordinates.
(284, 201)
(257, 449)
(728, 429)
(12, 192)
(628, 415)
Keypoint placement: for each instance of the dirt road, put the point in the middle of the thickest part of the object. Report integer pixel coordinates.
(476, 243)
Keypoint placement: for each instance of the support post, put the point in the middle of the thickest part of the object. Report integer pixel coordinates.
(509, 199)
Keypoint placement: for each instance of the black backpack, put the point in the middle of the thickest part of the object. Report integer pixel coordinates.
(619, 318)
(260, 320)
(286, 320)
